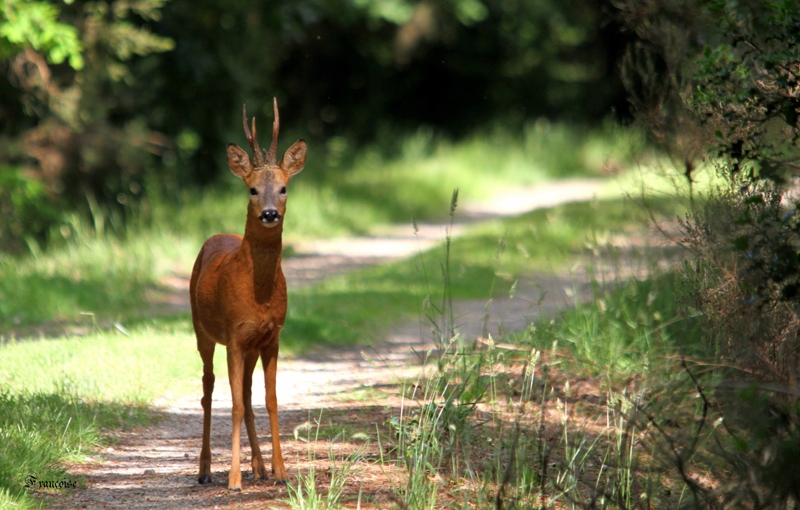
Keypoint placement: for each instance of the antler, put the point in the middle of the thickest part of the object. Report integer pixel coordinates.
(276, 124)
(251, 138)
(271, 156)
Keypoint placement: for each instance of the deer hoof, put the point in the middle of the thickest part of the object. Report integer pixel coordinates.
(235, 489)
(204, 480)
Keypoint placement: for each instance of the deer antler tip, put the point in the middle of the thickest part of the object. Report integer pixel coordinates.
(273, 149)
(252, 137)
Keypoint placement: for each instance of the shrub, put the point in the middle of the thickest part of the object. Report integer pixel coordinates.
(743, 283)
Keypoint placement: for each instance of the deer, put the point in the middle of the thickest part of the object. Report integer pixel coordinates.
(238, 299)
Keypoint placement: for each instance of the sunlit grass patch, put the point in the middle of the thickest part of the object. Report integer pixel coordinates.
(135, 367)
(94, 273)
(420, 176)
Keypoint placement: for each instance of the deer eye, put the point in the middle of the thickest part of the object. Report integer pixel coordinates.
(283, 190)
(253, 192)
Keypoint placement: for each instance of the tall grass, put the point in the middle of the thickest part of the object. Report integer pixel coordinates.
(499, 419)
(97, 268)
(305, 493)
(424, 167)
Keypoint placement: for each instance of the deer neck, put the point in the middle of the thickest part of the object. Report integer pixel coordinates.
(261, 254)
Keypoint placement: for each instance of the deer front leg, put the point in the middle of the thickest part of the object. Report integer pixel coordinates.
(206, 349)
(269, 358)
(236, 378)
(259, 471)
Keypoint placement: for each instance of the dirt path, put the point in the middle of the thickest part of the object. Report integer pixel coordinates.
(157, 467)
(352, 389)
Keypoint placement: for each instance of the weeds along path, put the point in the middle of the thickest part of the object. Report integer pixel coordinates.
(349, 390)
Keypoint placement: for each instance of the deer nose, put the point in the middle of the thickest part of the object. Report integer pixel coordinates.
(269, 216)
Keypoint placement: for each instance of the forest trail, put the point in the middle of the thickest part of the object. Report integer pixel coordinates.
(351, 389)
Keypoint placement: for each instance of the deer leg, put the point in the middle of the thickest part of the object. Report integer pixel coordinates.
(236, 378)
(269, 359)
(259, 471)
(206, 348)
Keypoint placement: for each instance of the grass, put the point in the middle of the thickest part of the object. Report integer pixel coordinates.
(111, 278)
(499, 425)
(145, 362)
(40, 430)
(108, 271)
(350, 308)
(494, 424)
(304, 493)
(500, 422)
(95, 272)
(109, 267)
(419, 174)
(58, 395)
(357, 307)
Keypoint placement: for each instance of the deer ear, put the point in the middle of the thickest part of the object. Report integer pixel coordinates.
(295, 158)
(239, 161)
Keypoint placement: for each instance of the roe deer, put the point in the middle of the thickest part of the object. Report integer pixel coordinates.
(238, 297)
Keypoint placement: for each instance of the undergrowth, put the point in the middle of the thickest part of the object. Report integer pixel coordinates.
(501, 419)
(39, 431)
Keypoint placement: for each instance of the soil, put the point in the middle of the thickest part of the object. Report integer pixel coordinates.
(351, 392)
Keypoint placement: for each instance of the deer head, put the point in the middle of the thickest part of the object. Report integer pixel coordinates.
(266, 178)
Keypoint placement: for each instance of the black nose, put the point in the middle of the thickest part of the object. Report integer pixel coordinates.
(269, 216)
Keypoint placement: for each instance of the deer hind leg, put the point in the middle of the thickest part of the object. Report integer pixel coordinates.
(206, 348)
(269, 358)
(236, 378)
(259, 471)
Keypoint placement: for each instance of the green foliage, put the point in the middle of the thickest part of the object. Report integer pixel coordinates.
(746, 82)
(719, 77)
(59, 127)
(305, 494)
(732, 70)
(40, 430)
(152, 89)
(26, 209)
(35, 24)
(163, 361)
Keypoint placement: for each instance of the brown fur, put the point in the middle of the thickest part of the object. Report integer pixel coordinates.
(238, 298)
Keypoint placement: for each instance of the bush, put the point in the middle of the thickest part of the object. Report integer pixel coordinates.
(745, 279)
(743, 283)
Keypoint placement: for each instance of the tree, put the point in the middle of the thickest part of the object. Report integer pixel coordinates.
(34, 26)
(66, 126)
